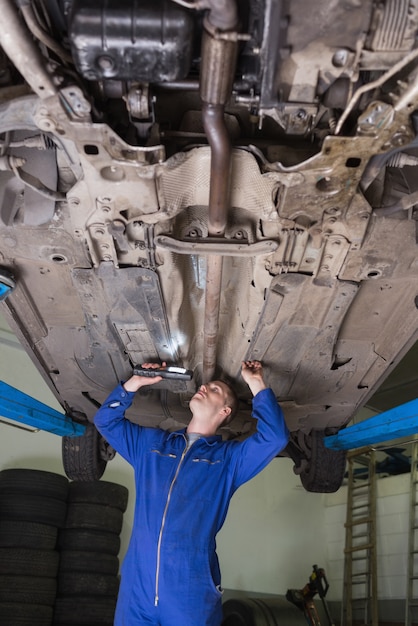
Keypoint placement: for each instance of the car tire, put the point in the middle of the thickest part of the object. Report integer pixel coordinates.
(79, 539)
(30, 508)
(92, 562)
(85, 611)
(87, 584)
(28, 590)
(81, 455)
(22, 534)
(94, 517)
(26, 562)
(326, 468)
(261, 612)
(14, 614)
(34, 482)
(99, 492)
(238, 613)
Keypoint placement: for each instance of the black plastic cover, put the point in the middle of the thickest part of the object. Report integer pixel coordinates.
(146, 40)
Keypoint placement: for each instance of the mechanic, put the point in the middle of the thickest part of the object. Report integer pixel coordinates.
(184, 482)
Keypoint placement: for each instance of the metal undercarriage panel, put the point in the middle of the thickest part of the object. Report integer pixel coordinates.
(285, 158)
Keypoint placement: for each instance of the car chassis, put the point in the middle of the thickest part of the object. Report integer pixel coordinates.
(235, 181)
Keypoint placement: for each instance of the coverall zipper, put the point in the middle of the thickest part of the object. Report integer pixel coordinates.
(160, 536)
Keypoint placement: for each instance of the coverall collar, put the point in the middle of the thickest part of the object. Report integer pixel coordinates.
(211, 440)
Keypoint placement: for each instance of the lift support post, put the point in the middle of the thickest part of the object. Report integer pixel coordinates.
(20, 407)
(402, 421)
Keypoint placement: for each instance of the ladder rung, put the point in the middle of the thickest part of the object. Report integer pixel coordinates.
(363, 520)
(366, 536)
(366, 546)
(359, 582)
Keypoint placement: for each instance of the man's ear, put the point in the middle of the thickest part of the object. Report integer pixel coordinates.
(226, 410)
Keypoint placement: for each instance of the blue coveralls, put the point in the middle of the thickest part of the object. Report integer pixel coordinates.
(170, 575)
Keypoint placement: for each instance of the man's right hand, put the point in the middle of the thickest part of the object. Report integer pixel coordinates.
(136, 382)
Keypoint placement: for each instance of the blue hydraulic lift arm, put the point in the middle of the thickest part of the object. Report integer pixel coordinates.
(18, 406)
(401, 421)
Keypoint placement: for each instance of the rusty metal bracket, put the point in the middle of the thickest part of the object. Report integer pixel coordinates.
(214, 245)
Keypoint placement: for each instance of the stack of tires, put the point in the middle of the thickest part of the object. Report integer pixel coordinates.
(89, 543)
(33, 506)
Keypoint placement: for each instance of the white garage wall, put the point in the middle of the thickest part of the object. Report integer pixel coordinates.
(275, 531)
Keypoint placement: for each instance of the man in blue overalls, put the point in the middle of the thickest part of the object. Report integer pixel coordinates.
(184, 483)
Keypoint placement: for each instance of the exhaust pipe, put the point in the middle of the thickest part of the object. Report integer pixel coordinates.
(18, 44)
(219, 54)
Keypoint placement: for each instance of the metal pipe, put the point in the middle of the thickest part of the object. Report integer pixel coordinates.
(211, 324)
(220, 167)
(217, 74)
(18, 44)
(38, 32)
(223, 14)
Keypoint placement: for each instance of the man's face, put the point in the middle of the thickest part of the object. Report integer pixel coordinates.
(210, 399)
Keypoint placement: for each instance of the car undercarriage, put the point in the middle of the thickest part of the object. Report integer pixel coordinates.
(206, 182)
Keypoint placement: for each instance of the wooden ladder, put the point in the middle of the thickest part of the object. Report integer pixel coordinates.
(412, 578)
(360, 564)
